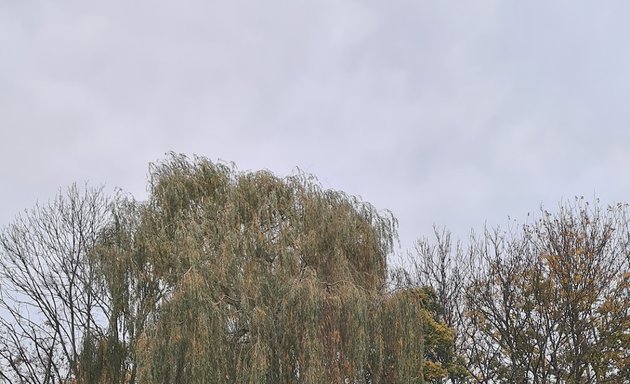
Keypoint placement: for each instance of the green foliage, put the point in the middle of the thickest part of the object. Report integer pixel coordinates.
(442, 362)
(248, 278)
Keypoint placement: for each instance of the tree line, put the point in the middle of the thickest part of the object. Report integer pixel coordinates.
(544, 302)
(223, 276)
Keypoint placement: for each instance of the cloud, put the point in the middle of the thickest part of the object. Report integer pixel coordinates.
(445, 113)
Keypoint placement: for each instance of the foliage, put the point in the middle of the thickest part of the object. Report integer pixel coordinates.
(441, 360)
(250, 278)
(224, 276)
(547, 303)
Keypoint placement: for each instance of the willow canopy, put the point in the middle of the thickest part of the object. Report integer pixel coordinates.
(244, 277)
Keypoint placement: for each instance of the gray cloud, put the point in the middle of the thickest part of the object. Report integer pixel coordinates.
(443, 113)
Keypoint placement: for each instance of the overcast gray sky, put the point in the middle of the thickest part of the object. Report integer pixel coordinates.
(455, 113)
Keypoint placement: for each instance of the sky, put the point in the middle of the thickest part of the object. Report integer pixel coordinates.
(448, 113)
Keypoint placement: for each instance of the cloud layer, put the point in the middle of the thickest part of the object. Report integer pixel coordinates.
(449, 114)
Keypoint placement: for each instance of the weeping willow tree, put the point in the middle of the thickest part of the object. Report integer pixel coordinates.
(231, 277)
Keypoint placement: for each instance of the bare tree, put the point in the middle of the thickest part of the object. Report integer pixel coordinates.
(50, 292)
(446, 267)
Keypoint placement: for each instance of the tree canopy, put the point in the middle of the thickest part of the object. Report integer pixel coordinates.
(548, 301)
(256, 279)
(225, 276)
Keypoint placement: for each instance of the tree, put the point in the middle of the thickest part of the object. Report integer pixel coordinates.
(440, 271)
(548, 302)
(220, 276)
(134, 291)
(556, 298)
(250, 278)
(50, 298)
